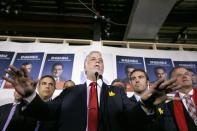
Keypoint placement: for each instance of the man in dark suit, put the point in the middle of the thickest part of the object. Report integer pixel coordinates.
(184, 105)
(16, 122)
(140, 83)
(92, 106)
(45, 89)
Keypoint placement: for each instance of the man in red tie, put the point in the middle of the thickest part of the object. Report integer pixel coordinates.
(184, 109)
(92, 106)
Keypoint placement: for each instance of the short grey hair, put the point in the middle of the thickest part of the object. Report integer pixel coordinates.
(92, 52)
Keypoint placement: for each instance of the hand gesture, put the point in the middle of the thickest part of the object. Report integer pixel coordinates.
(157, 92)
(20, 80)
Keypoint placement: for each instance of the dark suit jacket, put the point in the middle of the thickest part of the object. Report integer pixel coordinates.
(47, 126)
(70, 110)
(169, 120)
(18, 122)
(155, 124)
(189, 121)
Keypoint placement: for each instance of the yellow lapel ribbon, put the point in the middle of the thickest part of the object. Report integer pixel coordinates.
(111, 93)
(161, 111)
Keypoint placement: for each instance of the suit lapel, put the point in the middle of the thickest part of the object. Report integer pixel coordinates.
(103, 111)
(83, 90)
(133, 99)
(103, 98)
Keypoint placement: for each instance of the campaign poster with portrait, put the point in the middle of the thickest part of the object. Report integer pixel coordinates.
(192, 65)
(31, 61)
(158, 68)
(59, 66)
(5, 60)
(125, 65)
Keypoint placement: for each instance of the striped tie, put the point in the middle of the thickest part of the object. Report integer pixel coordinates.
(191, 108)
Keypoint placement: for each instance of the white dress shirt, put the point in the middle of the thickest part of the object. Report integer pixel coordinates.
(137, 97)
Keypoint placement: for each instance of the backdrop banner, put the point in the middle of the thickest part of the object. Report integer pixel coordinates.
(42, 56)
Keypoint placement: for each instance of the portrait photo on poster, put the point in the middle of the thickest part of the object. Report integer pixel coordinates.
(60, 67)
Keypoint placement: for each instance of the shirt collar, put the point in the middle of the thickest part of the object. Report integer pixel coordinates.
(183, 94)
(137, 97)
(48, 100)
(99, 82)
(16, 103)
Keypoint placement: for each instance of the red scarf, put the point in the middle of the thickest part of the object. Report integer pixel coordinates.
(179, 114)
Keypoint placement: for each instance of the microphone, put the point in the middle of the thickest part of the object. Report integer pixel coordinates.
(100, 77)
(96, 75)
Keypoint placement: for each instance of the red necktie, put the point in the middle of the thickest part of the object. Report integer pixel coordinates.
(92, 108)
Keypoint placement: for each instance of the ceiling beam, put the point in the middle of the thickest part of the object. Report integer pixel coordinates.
(147, 17)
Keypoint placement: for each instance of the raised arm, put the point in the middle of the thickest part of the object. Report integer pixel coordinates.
(157, 93)
(20, 80)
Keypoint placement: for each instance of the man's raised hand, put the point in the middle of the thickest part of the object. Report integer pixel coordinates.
(20, 80)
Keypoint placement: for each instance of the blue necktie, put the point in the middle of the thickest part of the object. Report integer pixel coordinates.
(9, 117)
(37, 126)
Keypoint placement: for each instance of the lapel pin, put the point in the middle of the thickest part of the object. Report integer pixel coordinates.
(111, 93)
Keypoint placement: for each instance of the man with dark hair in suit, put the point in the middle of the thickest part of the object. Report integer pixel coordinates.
(45, 89)
(184, 107)
(92, 106)
(12, 120)
(140, 83)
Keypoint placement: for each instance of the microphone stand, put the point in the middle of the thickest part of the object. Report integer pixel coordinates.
(106, 111)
